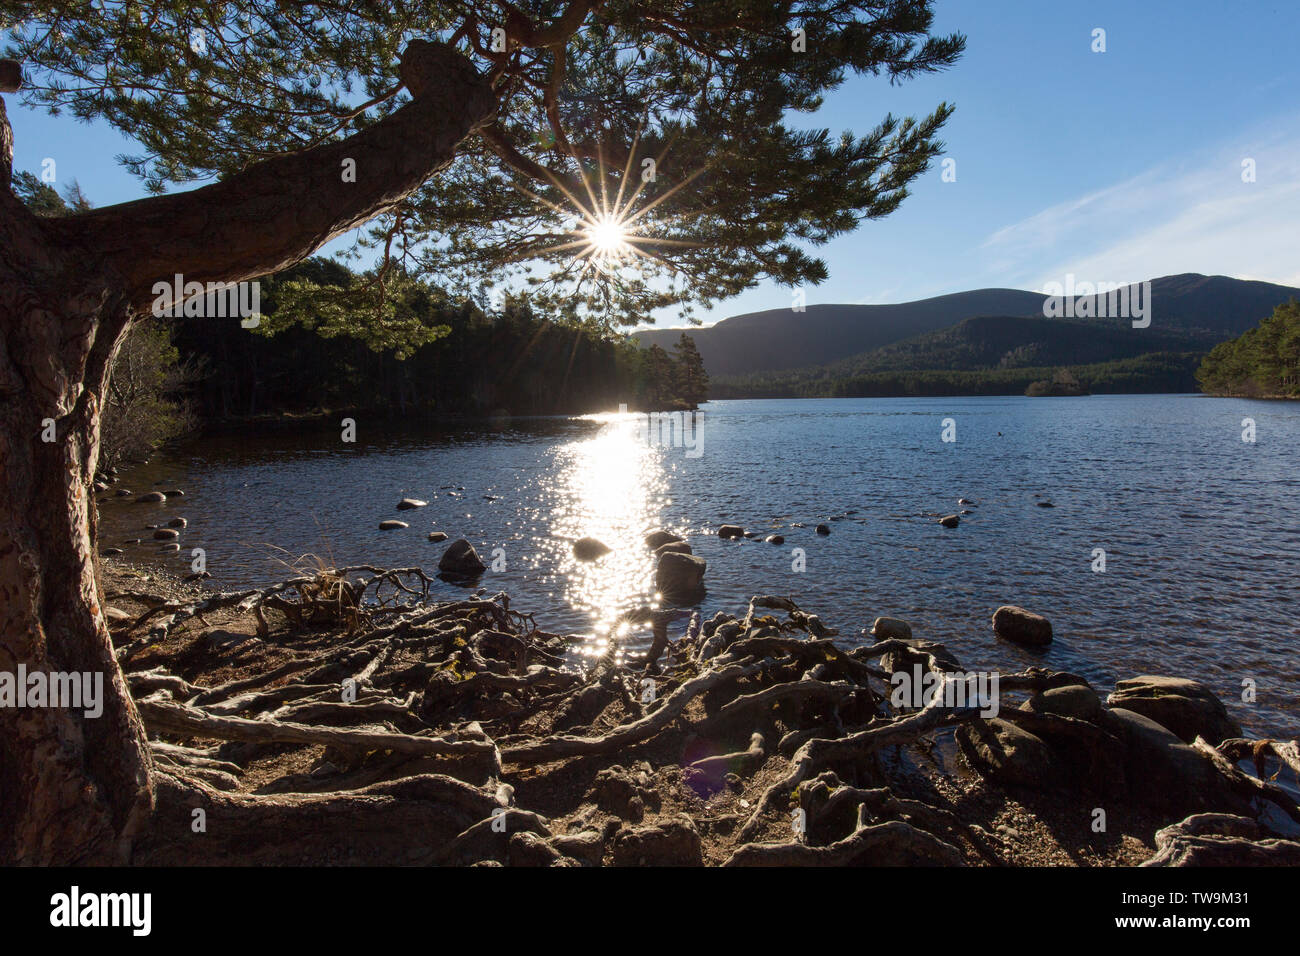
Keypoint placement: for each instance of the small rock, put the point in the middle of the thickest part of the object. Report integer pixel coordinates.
(116, 615)
(1023, 627)
(731, 531)
(111, 552)
(680, 577)
(775, 539)
(166, 534)
(406, 504)
(152, 496)
(198, 576)
(460, 558)
(437, 536)
(122, 493)
(964, 501)
(823, 529)
(131, 541)
(657, 539)
(392, 525)
(178, 523)
(589, 549)
(950, 521)
(1045, 504)
(1077, 701)
(891, 628)
(174, 493)
(170, 547)
(681, 547)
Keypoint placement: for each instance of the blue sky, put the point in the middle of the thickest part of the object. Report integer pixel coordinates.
(1115, 166)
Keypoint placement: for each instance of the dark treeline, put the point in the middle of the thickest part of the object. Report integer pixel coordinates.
(1264, 362)
(429, 356)
(1157, 372)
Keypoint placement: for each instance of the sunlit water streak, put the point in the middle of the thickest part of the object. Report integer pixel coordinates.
(1200, 529)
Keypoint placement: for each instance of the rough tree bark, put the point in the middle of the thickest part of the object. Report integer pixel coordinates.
(75, 790)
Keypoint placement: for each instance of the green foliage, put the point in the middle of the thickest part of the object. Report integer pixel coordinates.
(691, 382)
(1264, 361)
(472, 362)
(703, 88)
(141, 407)
(44, 200)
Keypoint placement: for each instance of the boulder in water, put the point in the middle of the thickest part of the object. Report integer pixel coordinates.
(1022, 627)
(406, 504)
(823, 529)
(437, 536)
(775, 539)
(950, 521)
(589, 549)
(166, 534)
(680, 577)
(392, 525)
(731, 531)
(460, 558)
(1186, 708)
(150, 497)
(891, 628)
(681, 547)
(657, 539)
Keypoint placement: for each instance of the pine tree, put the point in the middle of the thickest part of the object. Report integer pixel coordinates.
(622, 156)
(692, 381)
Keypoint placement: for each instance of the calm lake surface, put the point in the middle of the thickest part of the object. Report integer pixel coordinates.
(1201, 530)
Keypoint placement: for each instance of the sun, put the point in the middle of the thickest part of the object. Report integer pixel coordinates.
(608, 237)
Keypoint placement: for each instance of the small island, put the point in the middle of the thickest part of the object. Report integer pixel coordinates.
(1064, 384)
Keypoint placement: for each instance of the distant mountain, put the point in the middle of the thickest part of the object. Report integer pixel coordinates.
(1188, 312)
(1006, 341)
(785, 339)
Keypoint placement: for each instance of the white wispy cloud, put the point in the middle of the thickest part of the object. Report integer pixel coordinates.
(1193, 214)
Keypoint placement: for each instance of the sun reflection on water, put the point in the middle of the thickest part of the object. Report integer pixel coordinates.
(611, 487)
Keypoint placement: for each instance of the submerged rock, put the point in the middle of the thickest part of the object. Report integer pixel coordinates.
(392, 525)
(589, 549)
(460, 558)
(1187, 708)
(150, 497)
(680, 577)
(1013, 623)
(178, 523)
(111, 552)
(166, 534)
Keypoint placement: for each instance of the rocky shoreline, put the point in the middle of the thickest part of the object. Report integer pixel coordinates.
(462, 733)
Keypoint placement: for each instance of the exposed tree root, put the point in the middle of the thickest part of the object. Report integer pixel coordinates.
(400, 731)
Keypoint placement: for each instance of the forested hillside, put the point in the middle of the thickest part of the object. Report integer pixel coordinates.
(1262, 362)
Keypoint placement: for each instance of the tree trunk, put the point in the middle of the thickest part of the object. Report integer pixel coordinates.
(76, 789)
(73, 788)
